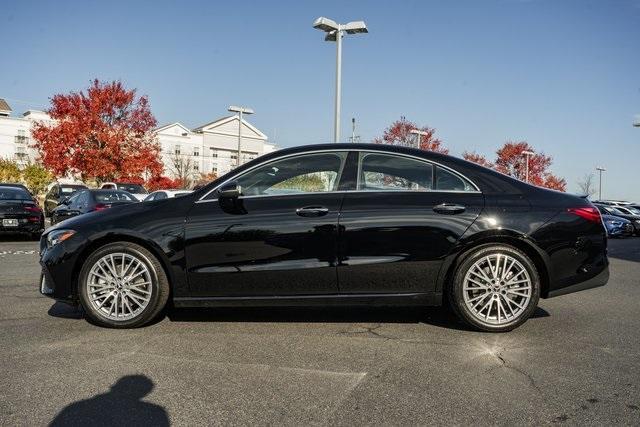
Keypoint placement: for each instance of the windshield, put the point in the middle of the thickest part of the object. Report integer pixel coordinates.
(132, 188)
(110, 196)
(68, 189)
(8, 193)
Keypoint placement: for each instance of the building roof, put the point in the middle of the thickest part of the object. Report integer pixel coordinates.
(209, 127)
(4, 106)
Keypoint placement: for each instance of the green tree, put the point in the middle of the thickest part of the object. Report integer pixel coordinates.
(9, 171)
(36, 178)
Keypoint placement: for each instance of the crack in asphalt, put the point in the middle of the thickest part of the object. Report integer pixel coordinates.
(504, 363)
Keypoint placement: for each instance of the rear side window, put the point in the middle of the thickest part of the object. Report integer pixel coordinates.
(386, 172)
(448, 181)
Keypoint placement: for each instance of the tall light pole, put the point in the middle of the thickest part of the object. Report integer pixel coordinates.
(240, 111)
(527, 153)
(600, 169)
(419, 133)
(636, 122)
(335, 33)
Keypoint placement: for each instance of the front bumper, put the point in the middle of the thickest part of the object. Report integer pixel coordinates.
(57, 279)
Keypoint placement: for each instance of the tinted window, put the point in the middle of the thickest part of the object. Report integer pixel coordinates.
(108, 196)
(73, 200)
(448, 181)
(389, 172)
(10, 193)
(161, 195)
(302, 174)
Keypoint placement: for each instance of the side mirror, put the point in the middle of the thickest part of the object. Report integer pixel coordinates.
(230, 190)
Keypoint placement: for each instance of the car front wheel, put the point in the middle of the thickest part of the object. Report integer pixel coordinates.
(122, 285)
(495, 288)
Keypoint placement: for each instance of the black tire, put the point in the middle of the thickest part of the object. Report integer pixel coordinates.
(465, 312)
(159, 286)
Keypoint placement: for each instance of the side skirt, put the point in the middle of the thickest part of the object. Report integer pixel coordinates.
(424, 299)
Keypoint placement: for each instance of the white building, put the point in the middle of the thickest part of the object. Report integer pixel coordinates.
(212, 147)
(15, 134)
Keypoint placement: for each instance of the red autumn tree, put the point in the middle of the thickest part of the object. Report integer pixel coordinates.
(103, 134)
(399, 133)
(162, 183)
(477, 158)
(510, 161)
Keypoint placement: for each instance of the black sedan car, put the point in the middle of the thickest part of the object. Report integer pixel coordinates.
(334, 224)
(19, 212)
(57, 194)
(85, 201)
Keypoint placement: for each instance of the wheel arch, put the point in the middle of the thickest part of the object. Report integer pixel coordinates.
(518, 241)
(113, 237)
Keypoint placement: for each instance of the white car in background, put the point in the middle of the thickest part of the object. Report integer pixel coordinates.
(136, 189)
(166, 194)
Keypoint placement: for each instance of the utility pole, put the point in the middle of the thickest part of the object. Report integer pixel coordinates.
(240, 111)
(600, 169)
(526, 169)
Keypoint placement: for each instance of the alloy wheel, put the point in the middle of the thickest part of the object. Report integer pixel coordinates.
(119, 286)
(497, 289)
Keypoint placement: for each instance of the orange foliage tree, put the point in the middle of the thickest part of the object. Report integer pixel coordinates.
(399, 133)
(104, 134)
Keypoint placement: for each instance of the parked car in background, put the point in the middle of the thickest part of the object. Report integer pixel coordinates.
(613, 202)
(86, 201)
(14, 185)
(615, 211)
(628, 209)
(19, 212)
(136, 189)
(617, 226)
(347, 224)
(57, 193)
(166, 194)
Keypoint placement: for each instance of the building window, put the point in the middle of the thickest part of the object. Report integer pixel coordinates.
(22, 137)
(234, 157)
(176, 150)
(21, 153)
(214, 169)
(196, 168)
(196, 152)
(214, 152)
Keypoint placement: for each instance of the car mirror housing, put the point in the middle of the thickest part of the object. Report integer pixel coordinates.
(230, 190)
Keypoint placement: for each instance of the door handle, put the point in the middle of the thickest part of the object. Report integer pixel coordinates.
(312, 211)
(449, 208)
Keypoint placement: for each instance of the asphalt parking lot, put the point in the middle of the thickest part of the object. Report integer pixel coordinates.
(576, 362)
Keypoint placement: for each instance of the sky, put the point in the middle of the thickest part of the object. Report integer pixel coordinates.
(562, 75)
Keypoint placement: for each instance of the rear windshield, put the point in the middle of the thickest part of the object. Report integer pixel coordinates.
(8, 193)
(107, 196)
(132, 188)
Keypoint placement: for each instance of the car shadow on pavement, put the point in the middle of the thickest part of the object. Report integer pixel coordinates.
(122, 405)
(436, 316)
(65, 311)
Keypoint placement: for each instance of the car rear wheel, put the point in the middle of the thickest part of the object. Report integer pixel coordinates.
(122, 285)
(495, 288)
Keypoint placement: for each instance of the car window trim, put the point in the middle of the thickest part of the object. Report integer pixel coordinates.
(203, 199)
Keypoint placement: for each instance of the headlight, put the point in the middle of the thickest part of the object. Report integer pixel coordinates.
(637, 221)
(58, 236)
(614, 223)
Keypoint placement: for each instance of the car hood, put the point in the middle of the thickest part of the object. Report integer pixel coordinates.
(615, 218)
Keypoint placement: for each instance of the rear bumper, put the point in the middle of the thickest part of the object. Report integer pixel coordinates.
(600, 279)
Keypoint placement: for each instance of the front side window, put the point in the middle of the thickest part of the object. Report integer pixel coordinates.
(309, 173)
(386, 172)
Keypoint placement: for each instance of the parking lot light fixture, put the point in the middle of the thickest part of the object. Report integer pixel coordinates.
(527, 153)
(334, 33)
(600, 169)
(418, 133)
(240, 111)
(636, 122)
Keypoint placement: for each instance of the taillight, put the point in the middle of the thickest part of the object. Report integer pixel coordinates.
(101, 206)
(31, 208)
(588, 213)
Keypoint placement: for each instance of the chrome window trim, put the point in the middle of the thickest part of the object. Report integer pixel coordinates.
(372, 150)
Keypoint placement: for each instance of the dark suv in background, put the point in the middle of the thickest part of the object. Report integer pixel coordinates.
(57, 194)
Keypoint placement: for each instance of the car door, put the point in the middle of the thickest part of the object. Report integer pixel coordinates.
(277, 237)
(405, 217)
